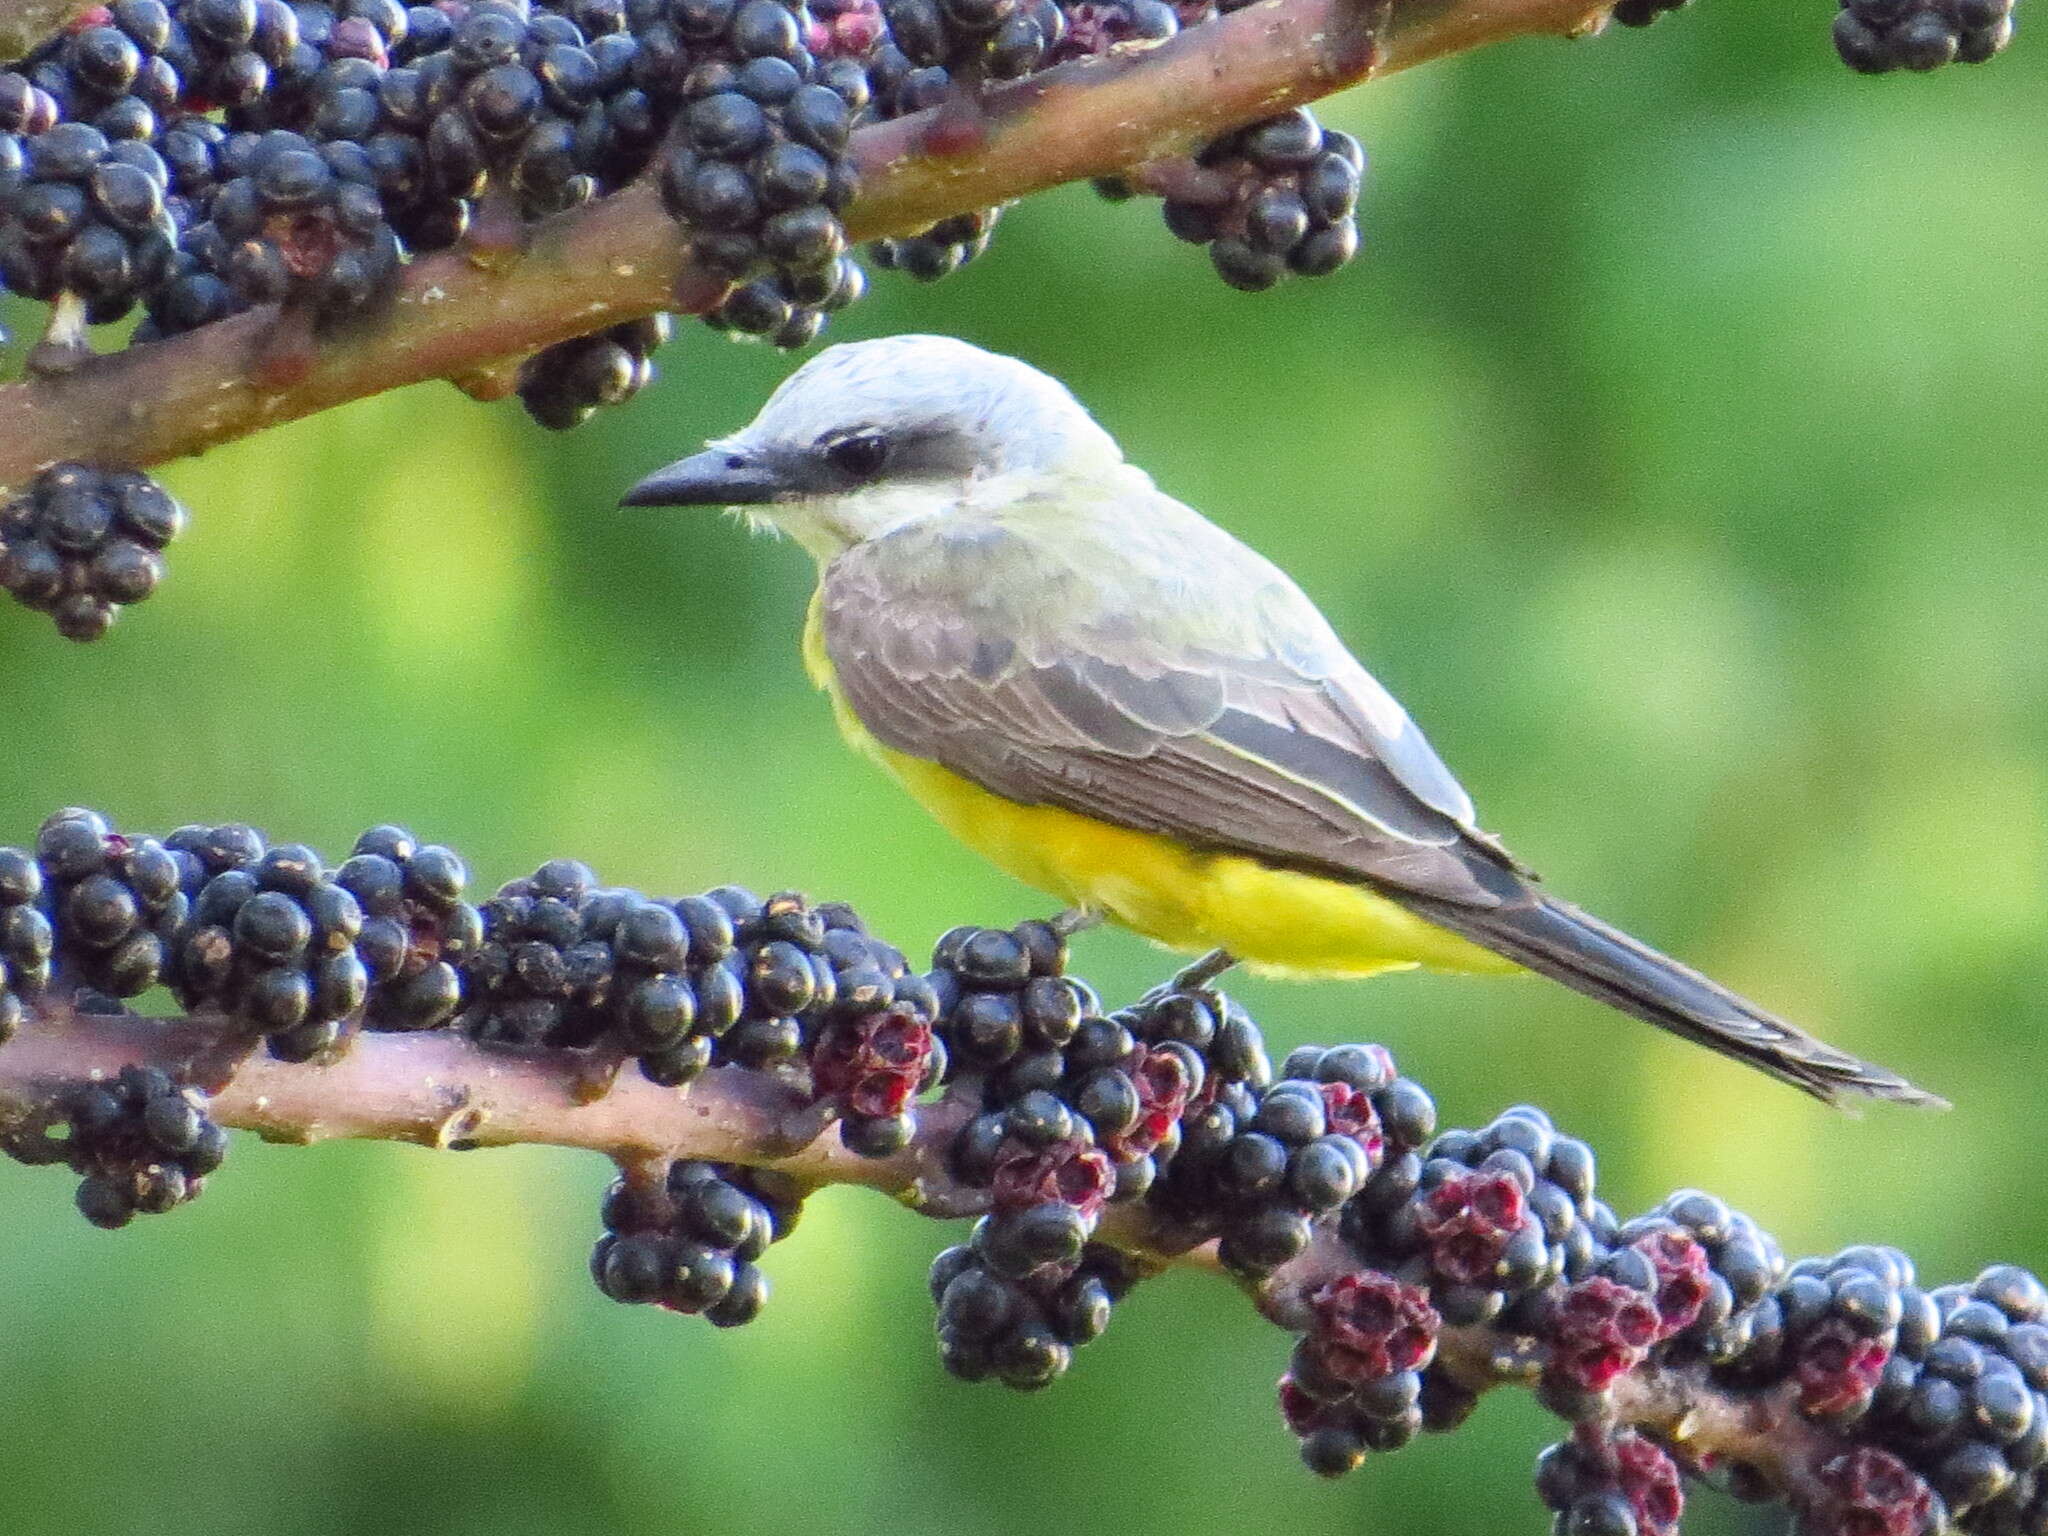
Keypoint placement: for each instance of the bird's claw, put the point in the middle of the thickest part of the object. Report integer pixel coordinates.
(1193, 978)
(1074, 920)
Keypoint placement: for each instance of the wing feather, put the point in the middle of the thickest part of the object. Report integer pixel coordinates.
(1276, 750)
(1193, 691)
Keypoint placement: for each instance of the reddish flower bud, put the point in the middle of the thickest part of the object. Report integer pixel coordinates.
(873, 1065)
(1646, 1476)
(1682, 1271)
(1350, 1113)
(1161, 1078)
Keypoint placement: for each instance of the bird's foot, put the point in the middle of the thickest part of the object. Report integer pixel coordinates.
(1195, 977)
(1074, 920)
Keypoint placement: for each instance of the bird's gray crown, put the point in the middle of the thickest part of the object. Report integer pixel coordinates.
(945, 406)
(874, 434)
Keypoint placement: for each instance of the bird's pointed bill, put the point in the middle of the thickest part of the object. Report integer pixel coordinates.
(717, 477)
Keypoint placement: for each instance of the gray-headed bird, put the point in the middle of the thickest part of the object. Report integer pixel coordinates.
(1122, 705)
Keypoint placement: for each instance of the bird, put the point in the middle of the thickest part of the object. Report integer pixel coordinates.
(1118, 702)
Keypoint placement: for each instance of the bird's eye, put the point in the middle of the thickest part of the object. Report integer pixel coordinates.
(858, 455)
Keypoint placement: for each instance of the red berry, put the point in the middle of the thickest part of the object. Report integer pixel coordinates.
(1068, 1172)
(1301, 1412)
(855, 32)
(1600, 1330)
(1466, 1222)
(1682, 1270)
(1369, 1325)
(1868, 1492)
(354, 38)
(1838, 1370)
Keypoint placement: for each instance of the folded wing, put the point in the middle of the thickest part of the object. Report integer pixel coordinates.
(1194, 692)
(1285, 749)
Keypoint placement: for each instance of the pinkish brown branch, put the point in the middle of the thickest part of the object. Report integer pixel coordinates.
(622, 258)
(25, 23)
(442, 1091)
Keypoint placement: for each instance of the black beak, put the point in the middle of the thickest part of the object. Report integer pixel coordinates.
(713, 478)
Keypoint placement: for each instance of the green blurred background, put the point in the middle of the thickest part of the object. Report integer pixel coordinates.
(1675, 452)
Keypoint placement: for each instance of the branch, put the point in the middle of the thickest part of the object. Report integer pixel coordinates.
(442, 1091)
(439, 1090)
(1419, 1268)
(622, 257)
(25, 23)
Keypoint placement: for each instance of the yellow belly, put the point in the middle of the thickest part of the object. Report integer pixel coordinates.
(1277, 920)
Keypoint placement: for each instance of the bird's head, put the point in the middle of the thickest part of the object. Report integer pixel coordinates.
(873, 434)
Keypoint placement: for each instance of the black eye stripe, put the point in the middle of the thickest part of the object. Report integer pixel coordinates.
(860, 455)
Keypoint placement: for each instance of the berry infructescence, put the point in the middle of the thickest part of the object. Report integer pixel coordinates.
(1418, 1267)
(1877, 36)
(192, 158)
(80, 544)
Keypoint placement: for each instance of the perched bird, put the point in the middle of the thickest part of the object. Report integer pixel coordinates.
(1122, 705)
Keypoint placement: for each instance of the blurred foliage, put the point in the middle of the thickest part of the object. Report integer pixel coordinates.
(1668, 453)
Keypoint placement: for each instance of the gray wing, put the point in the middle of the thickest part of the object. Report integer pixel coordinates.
(1210, 702)
(1220, 710)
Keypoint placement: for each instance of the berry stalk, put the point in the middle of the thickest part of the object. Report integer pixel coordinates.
(732, 1053)
(24, 23)
(620, 258)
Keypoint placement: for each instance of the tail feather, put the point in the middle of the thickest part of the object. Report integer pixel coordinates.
(1558, 940)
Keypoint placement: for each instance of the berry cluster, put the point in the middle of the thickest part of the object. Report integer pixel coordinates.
(26, 939)
(1610, 1483)
(118, 904)
(1169, 1102)
(196, 157)
(1267, 1166)
(417, 929)
(270, 940)
(1486, 1221)
(1356, 1380)
(1420, 1267)
(1278, 199)
(1875, 37)
(1743, 1267)
(759, 171)
(80, 544)
(1004, 1316)
(1005, 1006)
(139, 1143)
(941, 250)
(561, 386)
(689, 1242)
(265, 935)
(1948, 1383)
(719, 979)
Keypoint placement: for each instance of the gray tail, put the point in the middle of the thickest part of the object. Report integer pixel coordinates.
(1559, 941)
